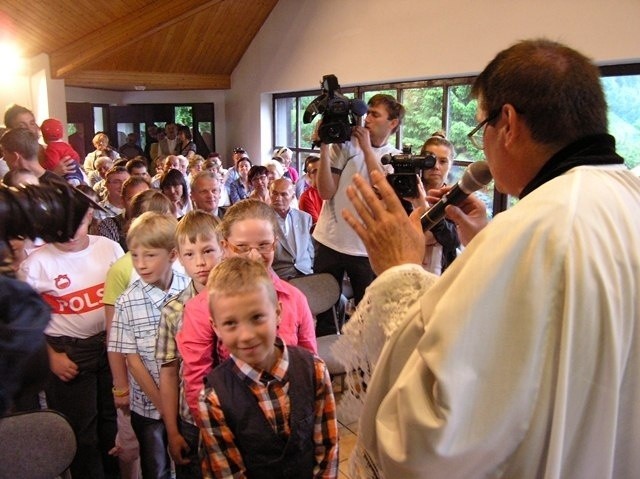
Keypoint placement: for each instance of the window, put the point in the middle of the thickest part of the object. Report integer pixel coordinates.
(623, 98)
(446, 104)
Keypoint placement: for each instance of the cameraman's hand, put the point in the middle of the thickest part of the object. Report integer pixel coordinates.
(419, 201)
(65, 167)
(390, 236)
(361, 134)
(470, 217)
(62, 366)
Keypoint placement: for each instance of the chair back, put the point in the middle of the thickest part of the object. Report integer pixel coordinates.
(321, 289)
(38, 444)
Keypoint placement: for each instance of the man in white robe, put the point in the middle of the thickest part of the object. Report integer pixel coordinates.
(523, 360)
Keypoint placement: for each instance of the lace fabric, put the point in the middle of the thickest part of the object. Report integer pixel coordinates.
(382, 309)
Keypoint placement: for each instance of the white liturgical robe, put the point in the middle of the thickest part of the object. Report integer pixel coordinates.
(523, 359)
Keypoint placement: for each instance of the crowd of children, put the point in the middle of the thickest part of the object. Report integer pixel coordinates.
(174, 348)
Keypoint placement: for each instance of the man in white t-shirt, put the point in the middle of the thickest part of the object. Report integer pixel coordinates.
(339, 248)
(70, 278)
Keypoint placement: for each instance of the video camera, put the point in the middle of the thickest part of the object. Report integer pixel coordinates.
(50, 211)
(406, 170)
(338, 112)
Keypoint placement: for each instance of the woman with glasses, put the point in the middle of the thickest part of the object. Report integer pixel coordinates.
(259, 179)
(247, 229)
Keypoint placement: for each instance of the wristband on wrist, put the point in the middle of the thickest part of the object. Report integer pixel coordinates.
(120, 393)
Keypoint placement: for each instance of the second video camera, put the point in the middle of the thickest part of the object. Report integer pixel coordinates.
(407, 168)
(338, 112)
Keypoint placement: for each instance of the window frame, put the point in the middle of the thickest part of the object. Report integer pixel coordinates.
(501, 201)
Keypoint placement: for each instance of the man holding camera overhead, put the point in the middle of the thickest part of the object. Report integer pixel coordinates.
(339, 248)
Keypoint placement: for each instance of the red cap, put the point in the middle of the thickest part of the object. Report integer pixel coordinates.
(52, 129)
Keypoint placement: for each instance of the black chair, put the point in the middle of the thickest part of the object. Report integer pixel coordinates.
(323, 292)
(36, 445)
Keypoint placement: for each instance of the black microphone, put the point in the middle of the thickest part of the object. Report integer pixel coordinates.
(474, 177)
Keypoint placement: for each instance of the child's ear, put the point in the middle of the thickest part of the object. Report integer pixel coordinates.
(173, 254)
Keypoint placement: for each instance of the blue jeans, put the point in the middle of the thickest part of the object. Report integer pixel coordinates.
(152, 436)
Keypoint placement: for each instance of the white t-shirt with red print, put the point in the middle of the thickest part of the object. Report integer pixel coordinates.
(72, 283)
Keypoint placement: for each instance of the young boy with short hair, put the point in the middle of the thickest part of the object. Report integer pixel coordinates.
(151, 242)
(267, 411)
(199, 251)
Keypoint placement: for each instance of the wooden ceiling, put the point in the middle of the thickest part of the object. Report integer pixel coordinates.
(124, 44)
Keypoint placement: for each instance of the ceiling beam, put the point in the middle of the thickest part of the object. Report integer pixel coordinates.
(123, 32)
(130, 80)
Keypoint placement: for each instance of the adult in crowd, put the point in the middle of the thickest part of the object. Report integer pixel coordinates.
(174, 186)
(151, 143)
(170, 162)
(310, 199)
(186, 146)
(285, 155)
(138, 167)
(205, 193)
(101, 144)
(131, 148)
(167, 146)
(240, 189)
(97, 178)
(232, 173)
(541, 379)
(294, 247)
(20, 147)
(442, 241)
(339, 249)
(259, 180)
(196, 162)
(115, 227)
(113, 204)
(17, 116)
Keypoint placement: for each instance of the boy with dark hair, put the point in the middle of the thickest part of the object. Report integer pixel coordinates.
(268, 410)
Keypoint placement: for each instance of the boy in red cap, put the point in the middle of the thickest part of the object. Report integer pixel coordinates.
(57, 149)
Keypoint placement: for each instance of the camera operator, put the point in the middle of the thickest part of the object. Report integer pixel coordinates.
(339, 248)
(442, 240)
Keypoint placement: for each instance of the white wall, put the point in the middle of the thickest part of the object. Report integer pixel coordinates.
(377, 41)
(33, 88)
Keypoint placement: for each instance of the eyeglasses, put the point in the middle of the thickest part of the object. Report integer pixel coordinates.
(239, 149)
(476, 136)
(244, 249)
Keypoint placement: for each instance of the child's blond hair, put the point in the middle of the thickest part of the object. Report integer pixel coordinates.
(197, 224)
(238, 275)
(153, 230)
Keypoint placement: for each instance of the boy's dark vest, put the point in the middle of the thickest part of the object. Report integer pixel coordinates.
(265, 454)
